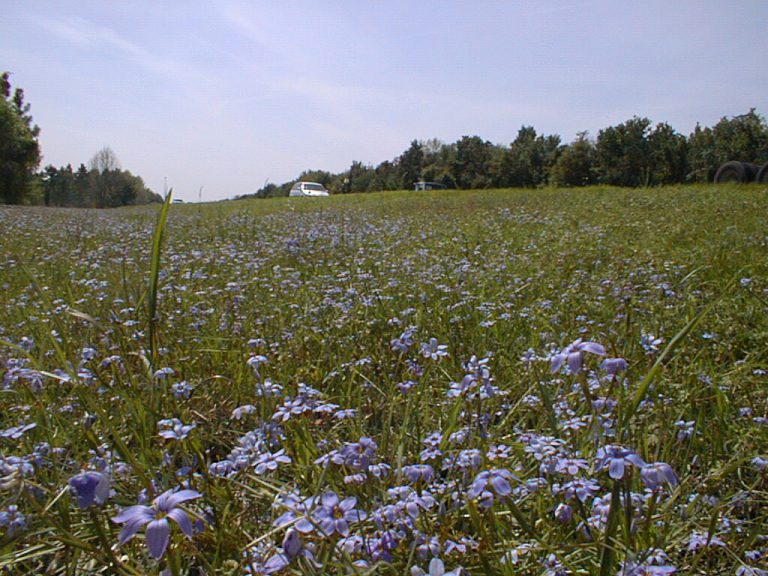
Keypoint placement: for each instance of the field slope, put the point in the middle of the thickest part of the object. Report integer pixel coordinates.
(500, 382)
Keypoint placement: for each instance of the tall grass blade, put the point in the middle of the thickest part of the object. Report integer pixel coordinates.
(154, 274)
(608, 557)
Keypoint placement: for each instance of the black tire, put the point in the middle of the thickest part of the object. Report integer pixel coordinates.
(762, 174)
(750, 171)
(731, 172)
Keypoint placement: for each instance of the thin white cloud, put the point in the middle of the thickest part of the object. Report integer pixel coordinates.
(94, 37)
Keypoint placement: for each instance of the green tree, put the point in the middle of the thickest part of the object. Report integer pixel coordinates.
(386, 177)
(59, 186)
(702, 159)
(576, 164)
(360, 177)
(410, 164)
(743, 138)
(85, 187)
(19, 148)
(623, 153)
(439, 159)
(528, 161)
(668, 155)
(320, 176)
(472, 162)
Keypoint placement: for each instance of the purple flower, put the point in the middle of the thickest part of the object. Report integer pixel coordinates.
(291, 408)
(489, 482)
(656, 474)
(163, 373)
(631, 568)
(613, 366)
(89, 488)
(16, 432)
(760, 463)
(570, 466)
(255, 362)
(333, 515)
(433, 350)
(581, 488)
(704, 540)
(181, 390)
(419, 473)
(12, 519)
(436, 568)
(616, 458)
(356, 455)
(241, 411)
(563, 513)
(574, 355)
(650, 343)
(343, 414)
(685, 429)
(297, 513)
(404, 341)
(156, 518)
(174, 429)
(292, 548)
(269, 462)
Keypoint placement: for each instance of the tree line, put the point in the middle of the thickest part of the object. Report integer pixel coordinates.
(102, 184)
(633, 153)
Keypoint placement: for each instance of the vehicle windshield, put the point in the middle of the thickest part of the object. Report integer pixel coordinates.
(316, 187)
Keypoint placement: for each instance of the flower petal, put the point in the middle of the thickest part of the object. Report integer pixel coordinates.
(593, 347)
(616, 468)
(342, 527)
(574, 362)
(134, 512)
(130, 529)
(329, 499)
(180, 517)
(500, 485)
(436, 567)
(177, 498)
(158, 534)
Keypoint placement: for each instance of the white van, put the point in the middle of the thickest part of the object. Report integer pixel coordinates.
(308, 189)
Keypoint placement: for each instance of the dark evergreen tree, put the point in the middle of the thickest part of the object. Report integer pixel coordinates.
(410, 165)
(19, 148)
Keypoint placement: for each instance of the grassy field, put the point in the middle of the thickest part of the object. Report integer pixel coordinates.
(486, 382)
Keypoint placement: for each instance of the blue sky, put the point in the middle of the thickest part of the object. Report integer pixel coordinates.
(227, 94)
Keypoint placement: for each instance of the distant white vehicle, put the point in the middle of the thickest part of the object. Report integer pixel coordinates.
(308, 189)
(421, 185)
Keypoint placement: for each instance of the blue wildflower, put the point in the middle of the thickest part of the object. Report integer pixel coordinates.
(334, 515)
(436, 568)
(573, 354)
(89, 487)
(433, 350)
(12, 520)
(658, 473)
(616, 458)
(174, 429)
(156, 518)
(268, 462)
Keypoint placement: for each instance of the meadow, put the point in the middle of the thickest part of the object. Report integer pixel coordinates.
(506, 382)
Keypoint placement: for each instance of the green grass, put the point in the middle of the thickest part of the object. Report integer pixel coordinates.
(320, 288)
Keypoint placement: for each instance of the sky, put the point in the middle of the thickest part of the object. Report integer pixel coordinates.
(215, 98)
